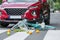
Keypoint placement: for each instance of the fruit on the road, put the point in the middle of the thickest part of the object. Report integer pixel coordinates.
(29, 32)
(37, 31)
(8, 32)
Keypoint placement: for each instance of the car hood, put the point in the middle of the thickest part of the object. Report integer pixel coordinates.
(17, 5)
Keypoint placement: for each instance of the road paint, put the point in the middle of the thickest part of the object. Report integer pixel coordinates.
(37, 36)
(52, 35)
(18, 36)
(1, 31)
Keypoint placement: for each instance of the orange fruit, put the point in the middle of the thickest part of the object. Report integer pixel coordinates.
(8, 30)
(29, 32)
(37, 31)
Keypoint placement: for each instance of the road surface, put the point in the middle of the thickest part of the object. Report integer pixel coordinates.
(54, 21)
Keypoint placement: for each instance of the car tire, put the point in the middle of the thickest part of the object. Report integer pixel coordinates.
(47, 17)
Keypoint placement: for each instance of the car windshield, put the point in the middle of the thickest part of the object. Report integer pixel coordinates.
(22, 0)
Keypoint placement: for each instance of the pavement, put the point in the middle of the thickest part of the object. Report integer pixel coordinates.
(52, 35)
(18, 36)
(1, 31)
(54, 21)
(37, 36)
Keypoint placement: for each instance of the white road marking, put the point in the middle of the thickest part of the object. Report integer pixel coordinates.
(18, 36)
(1, 31)
(52, 35)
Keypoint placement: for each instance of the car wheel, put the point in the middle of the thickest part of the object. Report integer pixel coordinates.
(46, 15)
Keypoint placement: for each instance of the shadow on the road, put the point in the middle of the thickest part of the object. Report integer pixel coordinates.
(56, 25)
(1, 27)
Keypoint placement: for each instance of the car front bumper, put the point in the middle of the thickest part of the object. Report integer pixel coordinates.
(9, 21)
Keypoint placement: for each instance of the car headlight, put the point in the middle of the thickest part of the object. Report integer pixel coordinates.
(0, 13)
(33, 7)
(33, 13)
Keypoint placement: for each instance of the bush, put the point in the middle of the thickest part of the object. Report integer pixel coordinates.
(57, 6)
(0, 1)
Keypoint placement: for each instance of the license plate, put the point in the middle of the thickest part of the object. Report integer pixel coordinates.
(15, 17)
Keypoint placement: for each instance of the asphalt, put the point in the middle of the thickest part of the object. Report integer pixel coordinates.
(4, 35)
(37, 36)
(54, 21)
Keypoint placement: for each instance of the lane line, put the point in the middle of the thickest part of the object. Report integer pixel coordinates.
(52, 35)
(18, 36)
(37, 36)
(4, 35)
(1, 31)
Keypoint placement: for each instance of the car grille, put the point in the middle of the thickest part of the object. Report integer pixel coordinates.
(15, 11)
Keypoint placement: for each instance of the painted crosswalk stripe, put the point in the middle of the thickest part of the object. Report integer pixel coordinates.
(1, 31)
(18, 36)
(52, 35)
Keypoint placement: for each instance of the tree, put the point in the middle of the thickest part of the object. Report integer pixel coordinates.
(0, 1)
(54, 0)
(51, 3)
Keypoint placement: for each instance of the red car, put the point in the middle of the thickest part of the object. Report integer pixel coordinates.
(12, 11)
